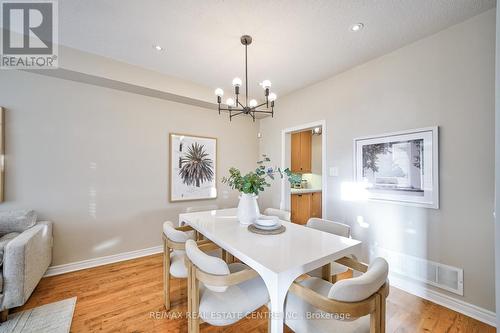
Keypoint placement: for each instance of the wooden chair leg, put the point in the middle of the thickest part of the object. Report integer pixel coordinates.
(166, 275)
(4, 315)
(190, 296)
(375, 317)
(195, 303)
(383, 301)
(326, 272)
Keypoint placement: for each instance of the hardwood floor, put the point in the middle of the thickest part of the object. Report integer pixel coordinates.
(127, 297)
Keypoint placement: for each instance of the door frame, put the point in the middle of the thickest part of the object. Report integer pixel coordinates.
(286, 198)
(497, 167)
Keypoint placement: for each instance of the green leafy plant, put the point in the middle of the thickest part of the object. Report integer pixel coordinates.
(256, 181)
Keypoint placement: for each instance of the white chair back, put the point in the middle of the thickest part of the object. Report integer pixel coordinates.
(331, 227)
(173, 234)
(281, 214)
(207, 264)
(201, 208)
(361, 287)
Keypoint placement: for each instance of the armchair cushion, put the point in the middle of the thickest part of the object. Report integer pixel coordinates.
(222, 309)
(3, 242)
(16, 220)
(174, 234)
(26, 258)
(207, 263)
(361, 287)
(281, 214)
(331, 227)
(178, 267)
(302, 317)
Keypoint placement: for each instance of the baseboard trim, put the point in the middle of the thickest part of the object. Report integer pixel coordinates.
(420, 290)
(84, 264)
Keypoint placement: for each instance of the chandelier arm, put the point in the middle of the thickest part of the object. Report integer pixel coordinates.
(237, 114)
(258, 106)
(232, 109)
(241, 104)
(234, 115)
(262, 111)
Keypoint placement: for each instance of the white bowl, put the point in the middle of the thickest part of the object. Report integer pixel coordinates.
(267, 221)
(270, 228)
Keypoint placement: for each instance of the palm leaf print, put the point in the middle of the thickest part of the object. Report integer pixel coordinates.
(197, 167)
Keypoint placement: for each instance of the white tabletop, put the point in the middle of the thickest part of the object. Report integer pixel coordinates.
(279, 259)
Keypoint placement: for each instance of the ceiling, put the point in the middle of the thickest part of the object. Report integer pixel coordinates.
(295, 42)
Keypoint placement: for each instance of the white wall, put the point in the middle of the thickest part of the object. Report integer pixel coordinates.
(95, 160)
(448, 80)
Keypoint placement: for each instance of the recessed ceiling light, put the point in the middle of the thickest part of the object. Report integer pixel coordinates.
(158, 48)
(357, 27)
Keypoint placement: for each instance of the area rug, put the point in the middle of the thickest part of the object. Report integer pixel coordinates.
(50, 318)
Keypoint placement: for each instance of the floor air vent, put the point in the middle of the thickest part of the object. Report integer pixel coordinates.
(433, 273)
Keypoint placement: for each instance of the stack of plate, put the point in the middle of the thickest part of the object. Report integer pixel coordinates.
(267, 223)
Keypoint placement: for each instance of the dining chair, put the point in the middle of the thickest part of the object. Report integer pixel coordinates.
(354, 305)
(330, 272)
(220, 294)
(281, 214)
(174, 254)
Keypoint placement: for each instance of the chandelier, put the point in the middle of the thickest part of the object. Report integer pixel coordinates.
(234, 105)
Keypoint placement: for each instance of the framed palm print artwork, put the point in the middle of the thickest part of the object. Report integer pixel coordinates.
(193, 167)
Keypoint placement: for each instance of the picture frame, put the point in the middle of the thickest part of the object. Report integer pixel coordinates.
(192, 167)
(399, 167)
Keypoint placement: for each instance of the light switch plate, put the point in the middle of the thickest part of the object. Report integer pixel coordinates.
(333, 172)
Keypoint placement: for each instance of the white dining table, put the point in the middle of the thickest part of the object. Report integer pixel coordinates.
(278, 259)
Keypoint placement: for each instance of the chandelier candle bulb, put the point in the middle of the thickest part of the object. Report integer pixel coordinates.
(266, 84)
(236, 82)
(253, 103)
(219, 93)
(230, 102)
(272, 97)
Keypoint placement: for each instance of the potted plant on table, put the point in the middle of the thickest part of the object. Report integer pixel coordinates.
(252, 183)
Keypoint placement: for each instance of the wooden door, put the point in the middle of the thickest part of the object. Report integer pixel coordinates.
(305, 151)
(296, 157)
(316, 207)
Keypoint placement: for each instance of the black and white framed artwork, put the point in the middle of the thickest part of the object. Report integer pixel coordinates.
(400, 167)
(193, 167)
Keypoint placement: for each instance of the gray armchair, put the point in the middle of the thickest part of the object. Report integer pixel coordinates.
(27, 253)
